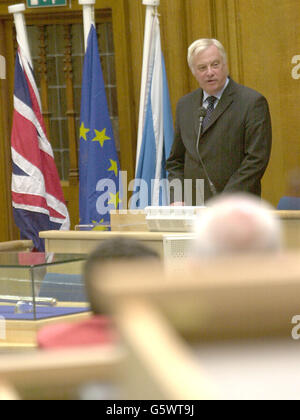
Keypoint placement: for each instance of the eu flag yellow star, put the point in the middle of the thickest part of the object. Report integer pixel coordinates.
(98, 225)
(113, 167)
(114, 199)
(83, 131)
(101, 136)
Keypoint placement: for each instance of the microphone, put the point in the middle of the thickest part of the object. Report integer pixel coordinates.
(202, 113)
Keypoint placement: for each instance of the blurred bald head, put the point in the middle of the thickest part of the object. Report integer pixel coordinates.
(237, 223)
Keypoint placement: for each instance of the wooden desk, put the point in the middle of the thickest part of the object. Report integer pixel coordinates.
(290, 220)
(22, 334)
(14, 246)
(221, 332)
(45, 375)
(239, 316)
(86, 241)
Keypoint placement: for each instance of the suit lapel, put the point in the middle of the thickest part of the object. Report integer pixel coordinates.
(225, 102)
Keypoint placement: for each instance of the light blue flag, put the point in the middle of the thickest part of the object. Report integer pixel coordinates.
(157, 132)
(99, 188)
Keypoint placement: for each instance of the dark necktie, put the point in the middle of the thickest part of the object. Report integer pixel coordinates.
(209, 110)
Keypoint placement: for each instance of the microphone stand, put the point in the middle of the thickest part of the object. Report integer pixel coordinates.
(210, 183)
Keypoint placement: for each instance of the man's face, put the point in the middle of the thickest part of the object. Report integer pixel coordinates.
(210, 70)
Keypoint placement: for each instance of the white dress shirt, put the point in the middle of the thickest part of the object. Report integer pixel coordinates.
(217, 95)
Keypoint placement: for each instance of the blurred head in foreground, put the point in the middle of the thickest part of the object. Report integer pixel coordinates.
(237, 223)
(117, 249)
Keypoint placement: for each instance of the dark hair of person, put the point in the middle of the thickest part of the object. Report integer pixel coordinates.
(114, 249)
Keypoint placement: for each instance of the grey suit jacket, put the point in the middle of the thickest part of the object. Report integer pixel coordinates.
(235, 147)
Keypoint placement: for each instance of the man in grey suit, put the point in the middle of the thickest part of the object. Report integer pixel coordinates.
(235, 141)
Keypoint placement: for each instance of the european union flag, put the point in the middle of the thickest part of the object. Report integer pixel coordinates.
(99, 189)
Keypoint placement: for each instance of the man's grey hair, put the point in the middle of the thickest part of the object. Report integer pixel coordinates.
(200, 45)
(237, 223)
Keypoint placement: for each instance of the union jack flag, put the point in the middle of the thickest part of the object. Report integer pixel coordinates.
(37, 196)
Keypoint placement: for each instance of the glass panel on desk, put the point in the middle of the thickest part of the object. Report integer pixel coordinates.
(38, 286)
(33, 259)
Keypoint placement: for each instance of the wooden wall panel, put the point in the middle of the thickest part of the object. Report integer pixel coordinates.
(200, 23)
(135, 24)
(227, 31)
(269, 38)
(127, 125)
(174, 45)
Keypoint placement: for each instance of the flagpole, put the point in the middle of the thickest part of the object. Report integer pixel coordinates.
(18, 11)
(150, 12)
(88, 12)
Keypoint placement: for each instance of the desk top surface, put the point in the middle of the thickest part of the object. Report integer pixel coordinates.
(252, 369)
(293, 215)
(96, 235)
